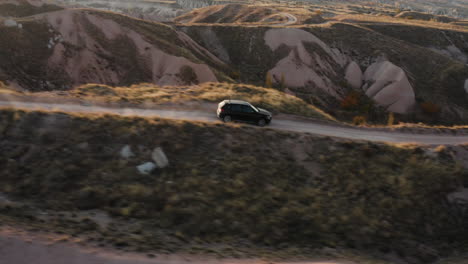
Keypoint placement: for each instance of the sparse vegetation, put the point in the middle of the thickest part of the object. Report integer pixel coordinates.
(430, 108)
(188, 75)
(341, 194)
(271, 99)
(359, 120)
(25, 9)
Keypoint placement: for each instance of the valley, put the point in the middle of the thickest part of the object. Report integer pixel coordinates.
(109, 140)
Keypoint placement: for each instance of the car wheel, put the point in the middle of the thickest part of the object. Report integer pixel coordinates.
(227, 119)
(261, 122)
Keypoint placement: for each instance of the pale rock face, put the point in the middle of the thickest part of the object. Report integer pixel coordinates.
(10, 23)
(190, 4)
(301, 68)
(126, 152)
(214, 43)
(453, 52)
(36, 3)
(354, 75)
(389, 86)
(160, 158)
(163, 66)
(146, 168)
(460, 196)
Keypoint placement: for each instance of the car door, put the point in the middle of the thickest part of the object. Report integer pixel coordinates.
(249, 114)
(236, 112)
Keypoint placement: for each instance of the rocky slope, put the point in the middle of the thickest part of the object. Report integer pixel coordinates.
(405, 204)
(19, 8)
(57, 50)
(416, 70)
(229, 14)
(322, 64)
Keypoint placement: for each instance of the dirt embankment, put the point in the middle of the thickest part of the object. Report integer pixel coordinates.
(21, 247)
(295, 190)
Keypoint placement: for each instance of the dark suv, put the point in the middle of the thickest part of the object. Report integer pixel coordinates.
(236, 110)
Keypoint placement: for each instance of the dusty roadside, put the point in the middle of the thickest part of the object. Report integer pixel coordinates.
(22, 247)
(206, 111)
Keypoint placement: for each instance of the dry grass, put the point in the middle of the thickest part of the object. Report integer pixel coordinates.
(228, 184)
(420, 126)
(360, 19)
(271, 99)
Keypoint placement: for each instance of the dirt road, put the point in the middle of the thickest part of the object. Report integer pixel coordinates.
(278, 124)
(291, 20)
(29, 249)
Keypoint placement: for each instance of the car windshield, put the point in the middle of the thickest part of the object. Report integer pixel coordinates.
(255, 108)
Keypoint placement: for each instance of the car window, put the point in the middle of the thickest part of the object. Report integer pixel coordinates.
(236, 108)
(247, 109)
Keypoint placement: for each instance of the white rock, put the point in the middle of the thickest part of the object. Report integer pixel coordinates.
(126, 152)
(460, 196)
(354, 75)
(160, 157)
(10, 23)
(389, 86)
(301, 68)
(457, 54)
(146, 168)
(20, 26)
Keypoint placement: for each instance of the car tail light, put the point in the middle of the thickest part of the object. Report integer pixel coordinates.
(222, 110)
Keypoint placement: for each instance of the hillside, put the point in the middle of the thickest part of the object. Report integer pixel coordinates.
(381, 57)
(22, 8)
(121, 149)
(249, 14)
(57, 50)
(354, 67)
(308, 193)
(425, 16)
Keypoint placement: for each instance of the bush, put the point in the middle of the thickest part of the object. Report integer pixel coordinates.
(235, 75)
(351, 101)
(430, 108)
(359, 120)
(188, 75)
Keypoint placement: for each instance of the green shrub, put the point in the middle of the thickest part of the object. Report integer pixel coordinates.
(188, 75)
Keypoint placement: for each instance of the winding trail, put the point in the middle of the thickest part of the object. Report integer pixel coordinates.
(277, 124)
(291, 20)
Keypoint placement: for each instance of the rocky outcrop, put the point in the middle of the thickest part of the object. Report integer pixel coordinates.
(190, 4)
(10, 23)
(36, 3)
(126, 152)
(460, 196)
(146, 168)
(389, 86)
(453, 52)
(354, 75)
(160, 158)
(302, 68)
(72, 47)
